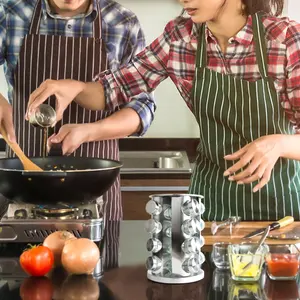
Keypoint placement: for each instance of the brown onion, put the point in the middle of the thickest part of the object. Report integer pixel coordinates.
(80, 256)
(80, 287)
(56, 242)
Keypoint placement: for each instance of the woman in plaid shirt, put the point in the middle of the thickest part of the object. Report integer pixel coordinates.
(237, 66)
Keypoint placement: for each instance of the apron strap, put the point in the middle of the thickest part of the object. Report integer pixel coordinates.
(97, 25)
(201, 58)
(260, 45)
(36, 20)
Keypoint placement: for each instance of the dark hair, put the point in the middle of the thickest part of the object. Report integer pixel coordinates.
(270, 7)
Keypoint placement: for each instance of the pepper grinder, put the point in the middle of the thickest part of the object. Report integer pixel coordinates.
(175, 239)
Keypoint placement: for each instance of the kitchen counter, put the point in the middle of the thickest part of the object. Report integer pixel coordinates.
(125, 277)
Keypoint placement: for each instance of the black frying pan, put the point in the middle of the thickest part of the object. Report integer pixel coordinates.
(80, 181)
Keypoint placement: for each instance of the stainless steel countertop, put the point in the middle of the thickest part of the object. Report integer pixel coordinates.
(155, 162)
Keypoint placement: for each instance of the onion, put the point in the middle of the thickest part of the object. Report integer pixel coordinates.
(80, 256)
(80, 287)
(56, 242)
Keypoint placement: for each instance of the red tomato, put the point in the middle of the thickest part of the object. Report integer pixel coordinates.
(36, 288)
(37, 261)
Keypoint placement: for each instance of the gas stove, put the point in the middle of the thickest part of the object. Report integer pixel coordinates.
(26, 223)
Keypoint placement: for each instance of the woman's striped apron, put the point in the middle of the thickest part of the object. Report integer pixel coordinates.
(232, 113)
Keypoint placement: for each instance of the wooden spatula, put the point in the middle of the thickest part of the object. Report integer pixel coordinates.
(27, 163)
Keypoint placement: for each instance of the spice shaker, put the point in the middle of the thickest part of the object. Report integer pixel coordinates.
(44, 116)
(175, 239)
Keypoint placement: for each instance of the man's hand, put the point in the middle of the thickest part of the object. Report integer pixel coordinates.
(65, 92)
(71, 136)
(258, 159)
(6, 119)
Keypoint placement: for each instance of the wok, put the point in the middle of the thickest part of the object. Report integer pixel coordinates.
(72, 180)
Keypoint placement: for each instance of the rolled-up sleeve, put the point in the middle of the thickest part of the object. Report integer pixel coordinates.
(145, 107)
(2, 34)
(141, 76)
(291, 99)
(144, 103)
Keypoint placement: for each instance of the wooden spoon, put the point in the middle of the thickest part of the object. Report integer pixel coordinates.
(27, 163)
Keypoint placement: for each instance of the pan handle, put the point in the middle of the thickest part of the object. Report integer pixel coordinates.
(56, 174)
(56, 150)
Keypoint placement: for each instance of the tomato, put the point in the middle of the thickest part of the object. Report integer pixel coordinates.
(37, 261)
(36, 288)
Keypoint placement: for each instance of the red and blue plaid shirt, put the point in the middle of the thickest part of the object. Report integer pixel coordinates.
(121, 32)
(173, 55)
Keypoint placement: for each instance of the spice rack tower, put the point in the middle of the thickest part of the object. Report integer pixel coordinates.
(175, 239)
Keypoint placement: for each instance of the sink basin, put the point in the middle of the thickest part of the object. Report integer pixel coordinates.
(168, 163)
(155, 162)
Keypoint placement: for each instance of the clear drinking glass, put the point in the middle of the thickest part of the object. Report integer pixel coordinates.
(220, 256)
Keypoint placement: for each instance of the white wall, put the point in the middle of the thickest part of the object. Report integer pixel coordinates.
(3, 85)
(285, 10)
(293, 10)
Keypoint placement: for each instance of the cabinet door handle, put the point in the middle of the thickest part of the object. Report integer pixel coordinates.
(154, 188)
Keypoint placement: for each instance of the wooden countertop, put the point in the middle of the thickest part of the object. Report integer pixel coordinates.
(243, 228)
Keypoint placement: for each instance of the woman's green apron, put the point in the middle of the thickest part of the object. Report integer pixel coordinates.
(232, 113)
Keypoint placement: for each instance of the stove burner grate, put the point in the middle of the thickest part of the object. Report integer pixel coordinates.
(62, 212)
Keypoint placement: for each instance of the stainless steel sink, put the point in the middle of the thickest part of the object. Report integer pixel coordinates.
(155, 162)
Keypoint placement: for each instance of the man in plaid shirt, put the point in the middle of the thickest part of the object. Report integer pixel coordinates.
(122, 35)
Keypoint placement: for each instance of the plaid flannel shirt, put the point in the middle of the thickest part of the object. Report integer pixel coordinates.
(173, 55)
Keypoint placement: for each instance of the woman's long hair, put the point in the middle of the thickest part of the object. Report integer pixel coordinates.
(270, 7)
(251, 7)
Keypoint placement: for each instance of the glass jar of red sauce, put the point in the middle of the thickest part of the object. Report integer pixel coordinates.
(283, 262)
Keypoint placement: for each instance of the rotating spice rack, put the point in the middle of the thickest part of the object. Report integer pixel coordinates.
(175, 238)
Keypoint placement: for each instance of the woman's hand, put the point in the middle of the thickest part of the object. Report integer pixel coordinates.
(72, 136)
(258, 159)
